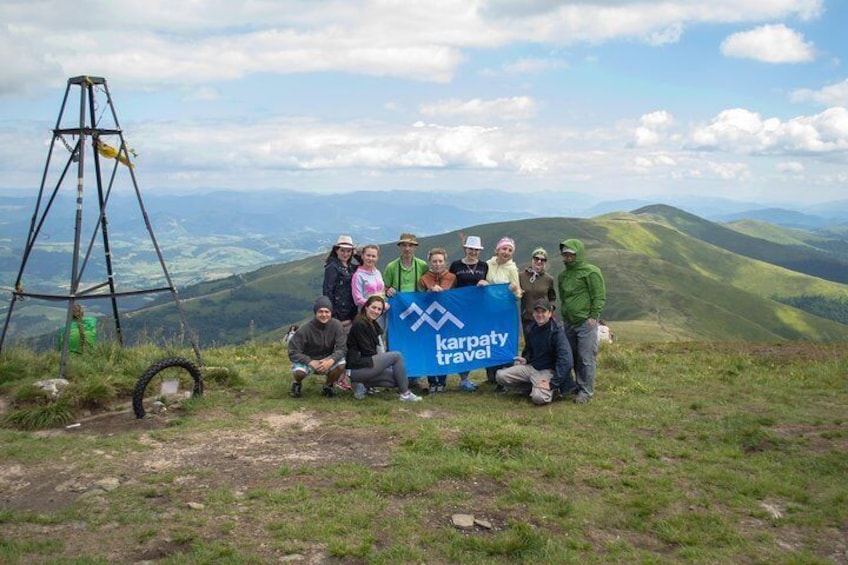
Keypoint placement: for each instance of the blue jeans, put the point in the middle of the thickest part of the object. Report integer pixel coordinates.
(584, 347)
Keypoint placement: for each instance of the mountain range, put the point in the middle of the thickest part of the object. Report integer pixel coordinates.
(664, 284)
(215, 234)
(672, 275)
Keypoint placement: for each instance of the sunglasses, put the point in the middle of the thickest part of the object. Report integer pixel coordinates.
(542, 259)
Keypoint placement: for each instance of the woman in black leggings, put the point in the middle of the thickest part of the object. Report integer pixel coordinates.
(368, 365)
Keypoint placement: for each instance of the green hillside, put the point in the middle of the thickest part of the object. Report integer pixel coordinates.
(770, 232)
(664, 284)
(798, 258)
(832, 240)
(669, 244)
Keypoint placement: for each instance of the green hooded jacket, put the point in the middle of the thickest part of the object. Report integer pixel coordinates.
(582, 291)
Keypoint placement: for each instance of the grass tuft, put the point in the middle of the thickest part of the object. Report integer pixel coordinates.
(40, 417)
(502, 442)
(222, 376)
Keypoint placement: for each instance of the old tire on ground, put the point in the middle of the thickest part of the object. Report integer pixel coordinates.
(155, 369)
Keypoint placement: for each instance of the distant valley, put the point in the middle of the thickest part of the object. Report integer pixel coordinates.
(252, 261)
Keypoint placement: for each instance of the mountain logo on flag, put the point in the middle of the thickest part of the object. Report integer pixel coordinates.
(426, 316)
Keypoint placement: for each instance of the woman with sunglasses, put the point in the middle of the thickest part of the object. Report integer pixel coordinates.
(536, 283)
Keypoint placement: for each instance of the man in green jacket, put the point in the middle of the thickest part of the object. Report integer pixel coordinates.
(582, 294)
(404, 273)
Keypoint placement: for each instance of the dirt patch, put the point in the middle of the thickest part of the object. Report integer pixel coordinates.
(237, 459)
(819, 439)
(176, 473)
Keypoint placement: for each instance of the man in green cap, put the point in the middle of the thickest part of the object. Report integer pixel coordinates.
(582, 295)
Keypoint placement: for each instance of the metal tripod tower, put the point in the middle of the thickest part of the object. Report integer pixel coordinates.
(108, 150)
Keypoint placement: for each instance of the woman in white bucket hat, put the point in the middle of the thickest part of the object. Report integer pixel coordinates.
(470, 271)
(339, 267)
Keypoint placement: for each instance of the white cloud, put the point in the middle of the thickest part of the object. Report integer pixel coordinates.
(646, 137)
(831, 95)
(723, 10)
(730, 171)
(650, 162)
(790, 167)
(23, 69)
(742, 131)
(509, 109)
(664, 36)
(307, 145)
(163, 44)
(532, 66)
(770, 44)
(652, 128)
(687, 166)
(202, 94)
(656, 23)
(660, 119)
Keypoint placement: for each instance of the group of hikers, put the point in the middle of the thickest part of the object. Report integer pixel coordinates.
(346, 340)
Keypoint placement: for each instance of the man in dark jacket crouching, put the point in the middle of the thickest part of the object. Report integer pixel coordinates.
(318, 347)
(544, 368)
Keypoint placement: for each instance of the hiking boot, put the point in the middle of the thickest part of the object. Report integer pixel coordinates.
(500, 389)
(360, 391)
(328, 391)
(582, 398)
(295, 390)
(433, 389)
(409, 396)
(467, 386)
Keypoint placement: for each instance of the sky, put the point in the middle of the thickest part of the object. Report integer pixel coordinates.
(738, 99)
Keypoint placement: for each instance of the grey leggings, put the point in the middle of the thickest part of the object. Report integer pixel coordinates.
(389, 371)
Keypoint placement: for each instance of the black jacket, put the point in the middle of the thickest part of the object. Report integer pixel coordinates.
(362, 342)
(548, 348)
(337, 287)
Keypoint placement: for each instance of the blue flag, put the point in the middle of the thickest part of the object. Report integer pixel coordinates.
(455, 330)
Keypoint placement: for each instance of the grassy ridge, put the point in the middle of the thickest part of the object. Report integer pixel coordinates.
(797, 258)
(771, 232)
(664, 283)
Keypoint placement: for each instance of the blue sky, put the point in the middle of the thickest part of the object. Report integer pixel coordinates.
(617, 99)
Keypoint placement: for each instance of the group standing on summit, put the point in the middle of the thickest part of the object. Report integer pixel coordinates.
(346, 340)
